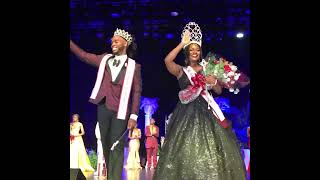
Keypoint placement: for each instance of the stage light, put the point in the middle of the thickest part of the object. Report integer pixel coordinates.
(169, 36)
(174, 13)
(240, 35)
(115, 15)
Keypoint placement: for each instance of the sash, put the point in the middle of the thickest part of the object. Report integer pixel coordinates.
(100, 76)
(126, 89)
(212, 103)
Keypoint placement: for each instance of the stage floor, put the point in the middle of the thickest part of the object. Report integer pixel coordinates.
(147, 174)
(142, 174)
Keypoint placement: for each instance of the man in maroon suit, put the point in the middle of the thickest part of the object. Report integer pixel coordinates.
(117, 94)
(152, 134)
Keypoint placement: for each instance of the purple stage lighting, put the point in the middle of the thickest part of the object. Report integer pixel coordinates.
(174, 13)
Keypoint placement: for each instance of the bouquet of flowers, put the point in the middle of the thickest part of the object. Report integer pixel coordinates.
(227, 74)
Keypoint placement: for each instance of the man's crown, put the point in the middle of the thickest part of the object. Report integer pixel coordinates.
(123, 34)
(195, 33)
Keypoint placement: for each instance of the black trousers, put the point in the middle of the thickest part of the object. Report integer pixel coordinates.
(111, 129)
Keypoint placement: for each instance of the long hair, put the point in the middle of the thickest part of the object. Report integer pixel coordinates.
(132, 49)
(186, 53)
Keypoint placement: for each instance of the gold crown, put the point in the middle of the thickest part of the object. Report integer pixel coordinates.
(195, 33)
(123, 34)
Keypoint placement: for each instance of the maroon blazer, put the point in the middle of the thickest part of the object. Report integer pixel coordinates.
(108, 89)
(152, 140)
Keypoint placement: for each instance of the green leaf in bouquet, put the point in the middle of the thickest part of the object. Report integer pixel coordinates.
(221, 63)
(210, 68)
(212, 58)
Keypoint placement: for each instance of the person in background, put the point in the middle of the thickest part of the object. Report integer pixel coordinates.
(152, 134)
